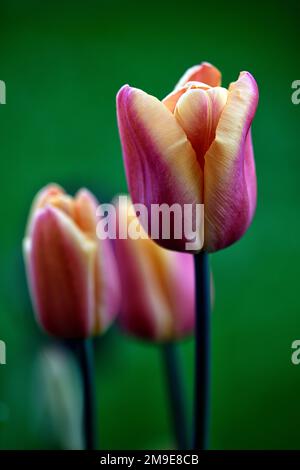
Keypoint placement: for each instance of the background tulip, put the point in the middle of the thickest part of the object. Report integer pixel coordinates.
(59, 397)
(194, 147)
(72, 275)
(157, 286)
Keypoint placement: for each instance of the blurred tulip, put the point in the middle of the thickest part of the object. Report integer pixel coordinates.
(157, 285)
(194, 147)
(72, 275)
(58, 382)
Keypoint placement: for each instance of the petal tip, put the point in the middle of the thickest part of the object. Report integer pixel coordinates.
(248, 76)
(125, 89)
(84, 193)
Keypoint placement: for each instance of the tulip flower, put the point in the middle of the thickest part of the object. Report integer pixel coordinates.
(194, 147)
(72, 275)
(157, 285)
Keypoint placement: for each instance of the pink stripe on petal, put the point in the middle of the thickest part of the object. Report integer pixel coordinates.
(250, 174)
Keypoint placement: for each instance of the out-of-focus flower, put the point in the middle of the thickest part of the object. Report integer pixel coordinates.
(58, 382)
(71, 274)
(157, 285)
(194, 147)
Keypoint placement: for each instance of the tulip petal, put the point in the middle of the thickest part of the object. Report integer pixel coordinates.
(169, 279)
(107, 286)
(157, 287)
(160, 163)
(181, 281)
(230, 181)
(64, 202)
(85, 212)
(198, 112)
(107, 297)
(143, 310)
(41, 200)
(204, 72)
(60, 265)
(172, 98)
(250, 174)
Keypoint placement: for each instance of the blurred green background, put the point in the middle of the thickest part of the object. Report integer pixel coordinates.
(63, 63)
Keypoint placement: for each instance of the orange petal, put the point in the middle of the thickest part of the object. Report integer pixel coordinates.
(205, 72)
(171, 99)
(85, 212)
(198, 112)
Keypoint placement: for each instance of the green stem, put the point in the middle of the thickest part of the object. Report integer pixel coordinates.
(83, 351)
(202, 352)
(176, 393)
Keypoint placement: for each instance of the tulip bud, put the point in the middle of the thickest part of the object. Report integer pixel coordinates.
(71, 274)
(157, 285)
(193, 147)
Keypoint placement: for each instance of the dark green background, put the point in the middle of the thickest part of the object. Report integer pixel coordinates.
(63, 63)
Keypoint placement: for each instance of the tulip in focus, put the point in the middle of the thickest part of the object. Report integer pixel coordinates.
(71, 274)
(194, 147)
(157, 285)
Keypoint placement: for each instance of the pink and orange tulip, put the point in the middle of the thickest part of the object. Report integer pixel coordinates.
(71, 274)
(194, 147)
(157, 286)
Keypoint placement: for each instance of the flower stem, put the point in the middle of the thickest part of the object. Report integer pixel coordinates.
(176, 393)
(202, 352)
(83, 352)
